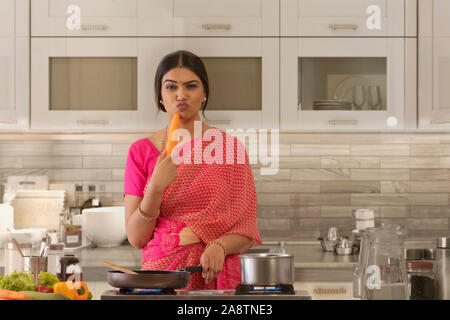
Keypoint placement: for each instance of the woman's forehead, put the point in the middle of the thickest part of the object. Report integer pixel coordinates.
(180, 74)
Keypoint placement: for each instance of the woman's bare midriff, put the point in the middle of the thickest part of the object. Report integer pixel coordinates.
(187, 236)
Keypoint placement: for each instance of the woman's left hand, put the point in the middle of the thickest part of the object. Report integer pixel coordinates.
(212, 261)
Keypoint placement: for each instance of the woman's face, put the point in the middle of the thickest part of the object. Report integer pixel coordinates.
(182, 92)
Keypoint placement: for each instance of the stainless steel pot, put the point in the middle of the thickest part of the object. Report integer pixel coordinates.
(267, 269)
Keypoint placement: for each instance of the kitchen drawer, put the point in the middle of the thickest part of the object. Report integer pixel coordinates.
(347, 18)
(327, 290)
(226, 18)
(103, 18)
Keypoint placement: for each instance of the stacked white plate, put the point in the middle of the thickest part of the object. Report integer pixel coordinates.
(332, 105)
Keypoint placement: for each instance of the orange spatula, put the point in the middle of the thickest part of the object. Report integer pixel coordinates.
(173, 126)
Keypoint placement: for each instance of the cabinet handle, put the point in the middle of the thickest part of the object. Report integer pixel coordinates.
(343, 122)
(219, 121)
(94, 27)
(101, 122)
(8, 121)
(343, 26)
(216, 26)
(440, 121)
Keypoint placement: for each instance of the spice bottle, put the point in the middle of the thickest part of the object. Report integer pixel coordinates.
(72, 236)
(422, 280)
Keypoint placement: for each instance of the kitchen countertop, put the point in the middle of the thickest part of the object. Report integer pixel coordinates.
(311, 263)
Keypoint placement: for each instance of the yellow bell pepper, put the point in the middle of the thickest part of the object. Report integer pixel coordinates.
(72, 290)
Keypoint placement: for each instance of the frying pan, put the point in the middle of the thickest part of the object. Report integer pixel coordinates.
(152, 279)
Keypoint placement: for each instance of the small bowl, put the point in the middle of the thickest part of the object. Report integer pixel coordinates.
(343, 251)
(328, 245)
(32, 235)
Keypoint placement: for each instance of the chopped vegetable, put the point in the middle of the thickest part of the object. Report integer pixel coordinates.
(72, 290)
(47, 279)
(90, 296)
(33, 295)
(45, 289)
(12, 295)
(18, 281)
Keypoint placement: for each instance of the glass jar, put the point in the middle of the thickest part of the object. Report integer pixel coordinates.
(72, 236)
(422, 280)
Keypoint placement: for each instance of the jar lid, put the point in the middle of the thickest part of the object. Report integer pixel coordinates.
(72, 226)
(419, 265)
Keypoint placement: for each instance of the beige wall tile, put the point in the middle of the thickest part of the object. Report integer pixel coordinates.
(118, 174)
(410, 162)
(320, 174)
(299, 162)
(11, 162)
(80, 174)
(343, 224)
(4, 173)
(427, 224)
(430, 211)
(282, 174)
(120, 149)
(350, 162)
(395, 187)
(335, 199)
(290, 187)
(52, 162)
(399, 199)
(394, 211)
(285, 150)
(430, 150)
(430, 174)
(349, 186)
(349, 138)
(304, 199)
(407, 138)
(336, 211)
(320, 150)
(63, 149)
(379, 174)
(274, 223)
(26, 149)
(430, 186)
(380, 150)
(104, 162)
(444, 162)
(291, 138)
(273, 199)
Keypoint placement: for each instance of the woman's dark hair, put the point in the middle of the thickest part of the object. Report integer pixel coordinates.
(185, 59)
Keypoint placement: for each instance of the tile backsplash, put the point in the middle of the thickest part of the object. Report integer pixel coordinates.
(322, 177)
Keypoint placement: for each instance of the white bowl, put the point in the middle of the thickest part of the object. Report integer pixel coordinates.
(105, 226)
(33, 235)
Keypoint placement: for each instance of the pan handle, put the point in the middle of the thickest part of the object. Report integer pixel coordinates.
(192, 269)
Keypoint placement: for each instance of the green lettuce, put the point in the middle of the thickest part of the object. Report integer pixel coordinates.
(18, 281)
(47, 279)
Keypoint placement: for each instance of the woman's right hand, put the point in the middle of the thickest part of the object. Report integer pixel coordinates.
(164, 174)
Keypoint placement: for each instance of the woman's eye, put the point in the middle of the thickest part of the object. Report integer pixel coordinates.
(170, 87)
(192, 86)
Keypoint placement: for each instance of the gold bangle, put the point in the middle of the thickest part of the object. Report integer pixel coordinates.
(142, 214)
(220, 244)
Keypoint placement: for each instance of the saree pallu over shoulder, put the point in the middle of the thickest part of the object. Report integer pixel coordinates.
(214, 194)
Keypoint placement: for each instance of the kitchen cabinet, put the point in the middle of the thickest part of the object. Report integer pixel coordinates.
(243, 75)
(130, 18)
(95, 84)
(14, 65)
(226, 18)
(101, 18)
(343, 18)
(434, 64)
(349, 83)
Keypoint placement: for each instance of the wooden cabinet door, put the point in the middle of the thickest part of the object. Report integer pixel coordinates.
(349, 18)
(434, 64)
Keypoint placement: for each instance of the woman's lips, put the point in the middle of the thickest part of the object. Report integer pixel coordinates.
(182, 106)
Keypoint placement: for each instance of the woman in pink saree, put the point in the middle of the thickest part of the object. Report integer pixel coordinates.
(201, 211)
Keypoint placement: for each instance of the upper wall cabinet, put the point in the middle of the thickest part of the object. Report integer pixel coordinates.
(102, 18)
(131, 18)
(14, 64)
(434, 64)
(349, 18)
(226, 18)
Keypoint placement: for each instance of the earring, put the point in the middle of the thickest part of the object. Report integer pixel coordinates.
(160, 101)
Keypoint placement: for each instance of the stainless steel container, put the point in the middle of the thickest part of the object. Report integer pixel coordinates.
(13, 260)
(442, 268)
(34, 265)
(267, 269)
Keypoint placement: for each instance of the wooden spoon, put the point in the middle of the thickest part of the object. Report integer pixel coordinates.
(119, 268)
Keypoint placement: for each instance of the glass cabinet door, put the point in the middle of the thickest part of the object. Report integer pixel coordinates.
(342, 83)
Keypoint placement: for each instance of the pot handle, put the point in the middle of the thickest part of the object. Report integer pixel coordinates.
(192, 269)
